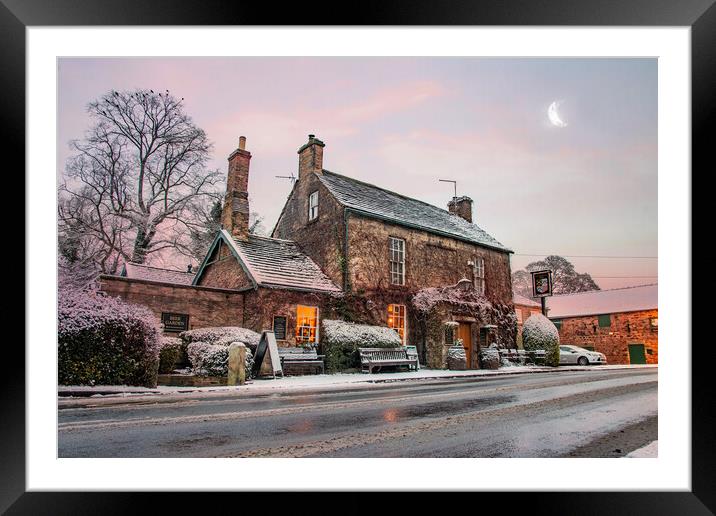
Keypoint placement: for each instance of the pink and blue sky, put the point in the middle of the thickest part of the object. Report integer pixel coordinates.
(589, 188)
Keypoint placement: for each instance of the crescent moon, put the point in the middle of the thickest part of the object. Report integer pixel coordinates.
(554, 115)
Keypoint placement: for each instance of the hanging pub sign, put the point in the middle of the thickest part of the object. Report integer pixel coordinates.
(175, 322)
(541, 283)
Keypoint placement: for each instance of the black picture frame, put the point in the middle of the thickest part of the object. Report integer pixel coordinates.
(700, 15)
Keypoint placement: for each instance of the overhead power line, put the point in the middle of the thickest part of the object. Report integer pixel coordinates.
(585, 255)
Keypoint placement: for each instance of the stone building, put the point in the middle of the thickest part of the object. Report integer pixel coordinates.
(343, 248)
(621, 323)
(524, 307)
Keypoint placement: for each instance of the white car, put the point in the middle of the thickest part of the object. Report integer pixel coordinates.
(569, 355)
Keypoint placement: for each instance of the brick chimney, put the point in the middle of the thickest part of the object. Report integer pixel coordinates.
(461, 206)
(310, 157)
(235, 213)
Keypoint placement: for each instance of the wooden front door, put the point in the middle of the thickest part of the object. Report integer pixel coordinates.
(464, 332)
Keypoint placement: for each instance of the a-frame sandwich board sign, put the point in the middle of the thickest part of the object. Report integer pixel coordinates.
(267, 345)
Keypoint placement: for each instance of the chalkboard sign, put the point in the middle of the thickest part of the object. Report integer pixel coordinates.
(175, 322)
(279, 327)
(267, 344)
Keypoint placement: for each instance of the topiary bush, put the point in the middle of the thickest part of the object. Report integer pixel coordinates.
(538, 332)
(105, 341)
(169, 354)
(210, 361)
(340, 342)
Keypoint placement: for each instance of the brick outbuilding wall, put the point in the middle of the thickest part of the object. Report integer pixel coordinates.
(205, 306)
(625, 328)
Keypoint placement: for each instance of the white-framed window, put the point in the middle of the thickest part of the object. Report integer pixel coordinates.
(479, 275)
(306, 324)
(313, 205)
(397, 261)
(396, 320)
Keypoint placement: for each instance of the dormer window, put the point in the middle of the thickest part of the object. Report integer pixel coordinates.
(313, 206)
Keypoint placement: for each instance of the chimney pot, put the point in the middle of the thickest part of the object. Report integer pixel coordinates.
(462, 207)
(242, 142)
(310, 157)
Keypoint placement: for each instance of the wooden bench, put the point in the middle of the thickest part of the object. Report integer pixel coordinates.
(371, 358)
(301, 361)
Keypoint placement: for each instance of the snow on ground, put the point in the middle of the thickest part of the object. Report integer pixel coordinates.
(336, 380)
(650, 451)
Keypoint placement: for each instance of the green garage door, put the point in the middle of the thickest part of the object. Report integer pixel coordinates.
(637, 354)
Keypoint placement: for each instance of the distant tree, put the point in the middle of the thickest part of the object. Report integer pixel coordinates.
(137, 183)
(256, 224)
(566, 280)
(204, 232)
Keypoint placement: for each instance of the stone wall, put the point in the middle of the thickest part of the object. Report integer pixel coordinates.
(224, 271)
(626, 328)
(430, 260)
(205, 306)
(322, 238)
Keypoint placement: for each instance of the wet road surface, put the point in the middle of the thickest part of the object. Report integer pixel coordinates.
(579, 414)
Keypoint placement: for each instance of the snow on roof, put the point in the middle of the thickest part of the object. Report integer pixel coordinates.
(627, 299)
(518, 299)
(384, 204)
(274, 262)
(148, 273)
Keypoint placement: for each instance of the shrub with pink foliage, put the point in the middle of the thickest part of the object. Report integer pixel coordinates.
(105, 341)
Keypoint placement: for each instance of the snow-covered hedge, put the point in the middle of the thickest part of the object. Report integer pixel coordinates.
(538, 332)
(490, 357)
(105, 341)
(223, 335)
(341, 340)
(213, 359)
(169, 354)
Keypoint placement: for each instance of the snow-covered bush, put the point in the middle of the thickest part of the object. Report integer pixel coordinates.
(490, 357)
(538, 332)
(341, 341)
(223, 335)
(105, 341)
(213, 359)
(456, 356)
(169, 354)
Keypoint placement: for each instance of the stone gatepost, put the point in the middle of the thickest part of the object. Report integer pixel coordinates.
(237, 364)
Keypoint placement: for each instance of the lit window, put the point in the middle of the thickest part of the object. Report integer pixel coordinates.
(480, 275)
(397, 261)
(396, 320)
(306, 324)
(313, 205)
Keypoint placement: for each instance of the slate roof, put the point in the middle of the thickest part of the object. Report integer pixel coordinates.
(628, 299)
(384, 204)
(518, 299)
(273, 262)
(147, 273)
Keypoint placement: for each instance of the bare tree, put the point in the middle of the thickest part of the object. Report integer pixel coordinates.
(137, 183)
(566, 280)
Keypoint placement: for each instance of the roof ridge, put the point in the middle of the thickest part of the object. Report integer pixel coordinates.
(254, 235)
(392, 192)
(605, 290)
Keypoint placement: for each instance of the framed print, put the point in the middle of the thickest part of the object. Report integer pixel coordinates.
(285, 153)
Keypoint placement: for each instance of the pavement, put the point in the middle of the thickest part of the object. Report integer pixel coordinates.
(578, 412)
(332, 381)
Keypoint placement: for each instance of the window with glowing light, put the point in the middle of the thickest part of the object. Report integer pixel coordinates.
(313, 205)
(306, 324)
(479, 275)
(397, 261)
(396, 320)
